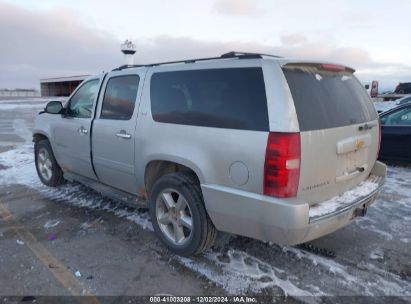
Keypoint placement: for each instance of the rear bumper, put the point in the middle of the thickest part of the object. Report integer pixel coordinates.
(283, 221)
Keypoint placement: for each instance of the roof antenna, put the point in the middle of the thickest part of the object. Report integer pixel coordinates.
(128, 48)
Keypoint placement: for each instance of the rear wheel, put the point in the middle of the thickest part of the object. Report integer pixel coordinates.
(178, 214)
(47, 168)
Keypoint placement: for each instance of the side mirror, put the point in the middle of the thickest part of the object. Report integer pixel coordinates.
(54, 107)
(367, 86)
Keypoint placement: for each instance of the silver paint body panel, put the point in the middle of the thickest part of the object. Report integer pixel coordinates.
(235, 205)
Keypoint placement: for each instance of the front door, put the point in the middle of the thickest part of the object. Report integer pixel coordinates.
(72, 133)
(113, 131)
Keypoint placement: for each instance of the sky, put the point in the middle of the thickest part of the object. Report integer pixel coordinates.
(53, 38)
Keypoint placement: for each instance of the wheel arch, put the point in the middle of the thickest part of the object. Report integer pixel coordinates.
(39, 136)
(157, 168)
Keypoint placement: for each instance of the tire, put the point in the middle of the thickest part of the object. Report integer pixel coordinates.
(171, 223)
(47, 168)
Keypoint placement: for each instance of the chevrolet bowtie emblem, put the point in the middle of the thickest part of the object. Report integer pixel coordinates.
(359, 143)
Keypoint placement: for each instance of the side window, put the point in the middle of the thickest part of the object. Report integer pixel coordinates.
(231, 98)
(120, 97)
(81, 104)
(401, 117)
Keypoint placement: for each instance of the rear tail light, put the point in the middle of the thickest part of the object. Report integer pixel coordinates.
(397, 88)
(282, 165)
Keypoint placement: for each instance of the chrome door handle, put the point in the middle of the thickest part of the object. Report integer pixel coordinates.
(123, 134)
(367, 126)
(82, 130)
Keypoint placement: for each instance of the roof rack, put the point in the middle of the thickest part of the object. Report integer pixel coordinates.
(232, 54)
(247, 55)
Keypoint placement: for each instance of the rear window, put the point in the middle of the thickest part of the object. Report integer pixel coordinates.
(223, 98)
(325, 99)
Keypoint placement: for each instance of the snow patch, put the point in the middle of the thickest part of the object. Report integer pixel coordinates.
(22, 171)
(21, 106)
(80, 196)
(328, 264)
(347, 198)
(20, 167)
(29, 103)
(32, 100)
(377, 254)
(368, 279)
(51, 224)
(239, 272)
(382, 233)
(21, 130)
(387, 283)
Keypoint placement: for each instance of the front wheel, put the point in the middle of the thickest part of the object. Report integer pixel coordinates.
(47, 168)
(178, 214)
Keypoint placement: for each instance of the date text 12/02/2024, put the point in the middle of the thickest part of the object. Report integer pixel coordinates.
(203, 299)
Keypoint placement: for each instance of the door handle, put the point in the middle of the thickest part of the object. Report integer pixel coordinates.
(367, 126)
(82, 130)
(123, 134)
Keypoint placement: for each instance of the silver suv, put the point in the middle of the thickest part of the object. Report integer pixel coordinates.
(270, 148)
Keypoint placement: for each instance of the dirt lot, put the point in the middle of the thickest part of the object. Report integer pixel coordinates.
(72, 241)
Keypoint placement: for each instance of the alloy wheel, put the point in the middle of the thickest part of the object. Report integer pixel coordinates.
(174, 216)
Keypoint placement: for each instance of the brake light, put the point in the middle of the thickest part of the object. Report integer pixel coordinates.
(332, 67)
(397, 88)
(282, 164)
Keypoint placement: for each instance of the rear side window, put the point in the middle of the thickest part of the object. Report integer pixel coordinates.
(120, 97)
(325, 99)
(223, 98)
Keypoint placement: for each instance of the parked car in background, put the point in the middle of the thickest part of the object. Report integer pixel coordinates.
(382, 106)
(403, 88)
(396, 134)
(404, 100)
(249, 144)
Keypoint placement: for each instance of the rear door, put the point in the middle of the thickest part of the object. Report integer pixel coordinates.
(72, 133)
(396, 134)
(113, 137)
(338, 128)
